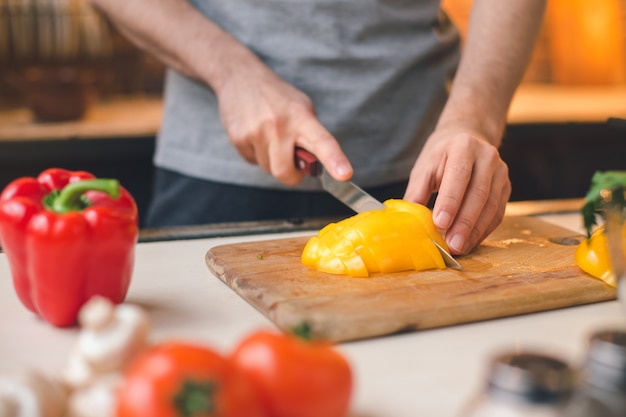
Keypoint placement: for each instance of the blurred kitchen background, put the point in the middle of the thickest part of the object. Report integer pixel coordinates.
(75, 94)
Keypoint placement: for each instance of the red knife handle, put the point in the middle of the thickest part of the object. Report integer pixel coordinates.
(308, 163)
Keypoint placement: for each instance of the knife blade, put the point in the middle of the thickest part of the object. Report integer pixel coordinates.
(351, 194)
(345, 191)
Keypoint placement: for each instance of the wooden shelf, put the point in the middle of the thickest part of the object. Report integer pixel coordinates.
(135, 117)
(546, 103)
(120, 118)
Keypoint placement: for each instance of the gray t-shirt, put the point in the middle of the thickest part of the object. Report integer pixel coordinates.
(375, 70)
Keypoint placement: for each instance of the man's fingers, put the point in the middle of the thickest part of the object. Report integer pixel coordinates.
(282, 162)
(482, 202)
(316, 139)
(493, 214)
(455, 182)
(246, 151)
(423, 182)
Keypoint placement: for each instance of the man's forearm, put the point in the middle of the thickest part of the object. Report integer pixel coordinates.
(180, 36)
(499, 43)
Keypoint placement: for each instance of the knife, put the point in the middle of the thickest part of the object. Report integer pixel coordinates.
(351, 194)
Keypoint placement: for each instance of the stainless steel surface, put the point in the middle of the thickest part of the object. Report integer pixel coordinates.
(350, 194)
(615, 217)
(524, 384)
(234, 229)
(447, 258)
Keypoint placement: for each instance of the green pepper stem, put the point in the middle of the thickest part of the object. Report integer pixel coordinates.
(70, 198)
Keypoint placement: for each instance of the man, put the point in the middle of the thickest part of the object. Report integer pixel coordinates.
(358, 82)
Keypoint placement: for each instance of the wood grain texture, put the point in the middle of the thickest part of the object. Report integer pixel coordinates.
(518, 269)
(122, 118)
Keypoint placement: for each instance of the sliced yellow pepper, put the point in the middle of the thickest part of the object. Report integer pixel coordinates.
(592, 256)
(396, 238)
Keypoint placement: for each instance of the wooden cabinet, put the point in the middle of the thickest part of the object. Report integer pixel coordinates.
(557, 160)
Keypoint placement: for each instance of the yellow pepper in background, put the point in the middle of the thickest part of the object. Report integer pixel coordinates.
(396, 238)
(592, 256)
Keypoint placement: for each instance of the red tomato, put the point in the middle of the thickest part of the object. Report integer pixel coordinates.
(182, 379)
(296, 378)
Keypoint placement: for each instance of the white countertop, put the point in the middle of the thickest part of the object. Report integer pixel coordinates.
(430, 373)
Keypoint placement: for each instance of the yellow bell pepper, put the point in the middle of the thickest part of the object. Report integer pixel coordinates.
(592, 256)
(396, 238)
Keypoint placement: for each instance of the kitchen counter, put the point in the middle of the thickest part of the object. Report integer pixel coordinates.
(427, 373)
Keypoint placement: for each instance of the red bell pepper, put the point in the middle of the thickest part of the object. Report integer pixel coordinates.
(68, 236)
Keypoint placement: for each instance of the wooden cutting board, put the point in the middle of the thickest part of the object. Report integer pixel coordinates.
(525, 266)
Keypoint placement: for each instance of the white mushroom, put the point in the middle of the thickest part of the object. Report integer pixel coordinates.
(110, 337)
(32, 394)
(96, 400)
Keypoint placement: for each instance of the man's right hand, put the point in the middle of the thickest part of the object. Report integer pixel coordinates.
(266, 119)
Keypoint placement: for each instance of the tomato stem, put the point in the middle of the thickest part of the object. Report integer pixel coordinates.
(195, 398)
(303, 331)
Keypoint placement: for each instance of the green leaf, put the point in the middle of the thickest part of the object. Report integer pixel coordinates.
(606, 187)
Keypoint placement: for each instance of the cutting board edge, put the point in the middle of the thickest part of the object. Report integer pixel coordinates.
(348, 333)
(253, 297)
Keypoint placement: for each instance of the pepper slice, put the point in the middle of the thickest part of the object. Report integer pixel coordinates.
(67, 236)
(396, 238)
(592, 256)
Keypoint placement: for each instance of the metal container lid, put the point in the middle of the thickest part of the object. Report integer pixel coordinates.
(606, 360)
(531, 377)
